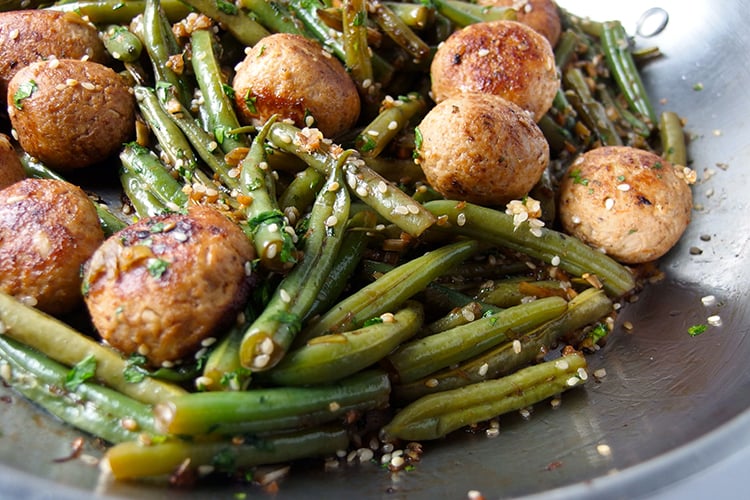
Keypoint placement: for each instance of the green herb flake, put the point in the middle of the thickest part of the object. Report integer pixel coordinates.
(157, 227)
(599, 332)
(24, 91)
(157, 267)
(134, 371)
(81, 372)
(620, 178)
(698, 87)
(577, 179)
(250, 103)
(368, 143)
(373, 321)
(696, 330)
(228, 90)
(360, 18)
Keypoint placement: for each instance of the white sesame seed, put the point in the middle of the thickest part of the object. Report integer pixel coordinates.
(524, 412)
(334, 186)
(714, 320)
(582, 374)
(261, 360)
(203, 382)
(143, 350)
(474, 495)
(600, 373)
(88, 85)
(392, 125)
(373, 133)
(555, 260)
(708, 300)
(517, 346)
(572, 381)
(6, 372)
(271, 250)
(362, 191)
(208, 341)
(603, 450)
(431, 383)
(388, 317)
(461, 219)
(483, 369)
(401, 210)
(365, 454)
(623, 187)
(397, 462)
(483, 52)
(13, 34)
(382, 187)
(167, 364)
(609, 203)
(575, 219)
(468, 314)
(555, 402)
(334, 406)
(331, 221)
(492, 433)
(561, 364)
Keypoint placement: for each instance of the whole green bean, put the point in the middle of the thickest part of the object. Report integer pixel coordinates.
(222, 119)
(456, 9)
(67, 346)
(243, 27)
(513, 291)
(418, 358)
(591, 111)
(672, 138)
(390, 290)
(398, 30)
(301, 191)
(356, 49)
(415, 15)
(436, 415)
(132, 460)
(154, 176)
(268, 338)
(121, 43)
(90, 407)
(616, 48)
(273, 15)
(495, 227)
(525, 347)
(118, 11)
(393, 117)
(271, 409)
(333, 357)
(142, 200)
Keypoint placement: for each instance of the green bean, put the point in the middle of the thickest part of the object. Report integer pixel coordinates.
(421, 357)
(590, 110)
(223, 370)
(672, 138)
(386, 199)
(273, 15)
(133, 460)
(60, 342)
(524, 348)
(609, 102)
(393, 117)
(300, 193)
(90, 407)
(559, 138)
(273, 243)
(143, 201)
(566, 48)
(398, 30)
(457, 14)
(154, 176)
(456, 317)
(268, 338)
(480, 12)
(512, 292)
(329, 358)
(352, 250)
(390, 290)
(121, 43)
(222, 119)
(236, 21)
(414, 15)
(271, 409)
(110, 222)
(616, 48)
(495, 227)
(356, 49)
(161, 45)
(117, 11)
(435, 415)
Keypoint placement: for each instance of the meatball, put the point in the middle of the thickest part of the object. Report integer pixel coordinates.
(11, 169)
(293, 76)
(504, 58)
(164, 284)
(93, 107)
(27, 36)
(542, 15)
(631, 203)
(48, 229)
(481, 148)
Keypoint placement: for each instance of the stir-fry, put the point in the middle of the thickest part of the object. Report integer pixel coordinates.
(339, 224)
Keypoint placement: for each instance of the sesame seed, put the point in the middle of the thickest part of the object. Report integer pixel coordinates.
(373, 133)
(468, 314)
(475, 495)
(555, 402)
(208, 341)
(397, 462)
(575, 219)
(431, 383)
(561, 364)
(309, 121)
(609, 203)
(334, 406)
(412, 208)
(13, 34)
(517, 346)
(714, 320)
(334, 186)
(6, 372)
(271, 250)
(88, 85)
(393, 125)
(179, 236)
(203, 382)
(572, 381)
(708, 300)
(273, 227)
(600, 373)
(167, 364)
(582, 374)
(362, 191)
(623, 187)
(555, 260)
(483, 369)
(524, 412)
(285, 138)
(261, 360)
(388, 317)
(401, 210)
(331, 221)
(483, 52)
(143, 350)
(603, 450)
(71, 82)
(382, 187)
(461, 219)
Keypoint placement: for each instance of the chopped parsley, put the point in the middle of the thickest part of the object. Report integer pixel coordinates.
(577, 179)
(134, 371)
(226, 7)
(696, 330)
(373, 321)
(24, 91)
(157, 267)
(81, 372)
(250, 103)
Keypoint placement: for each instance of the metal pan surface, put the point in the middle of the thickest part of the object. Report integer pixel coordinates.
(670, 406)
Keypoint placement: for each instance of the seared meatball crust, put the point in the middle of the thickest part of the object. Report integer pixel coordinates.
(631, 203)
(481, 148)
(69, 113)
(27, 36)
(293, 76)
(48, 229)
(162, 285)
(505, 58)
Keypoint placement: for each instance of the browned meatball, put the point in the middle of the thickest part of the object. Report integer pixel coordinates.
(504, 58)
(166, 283)
(628, 202)
(481, 148)
(48, 229)
(294, 77)
(28, 36)
(542, 15)
(69, 113)
(11, 169)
